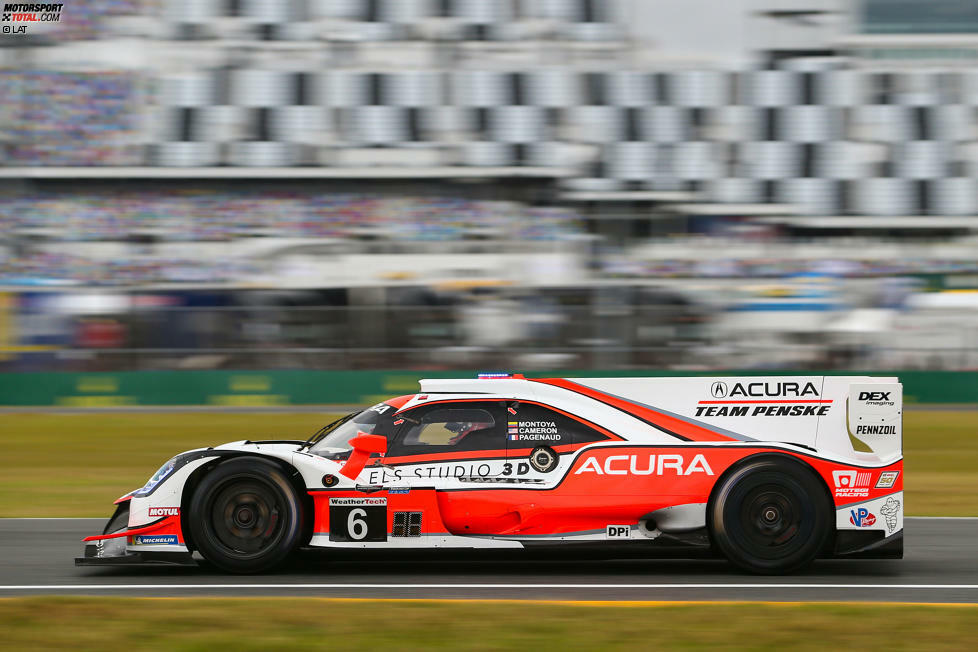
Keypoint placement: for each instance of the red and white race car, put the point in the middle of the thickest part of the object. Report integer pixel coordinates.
(769, 472)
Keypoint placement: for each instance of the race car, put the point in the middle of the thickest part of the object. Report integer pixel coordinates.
(769, 472)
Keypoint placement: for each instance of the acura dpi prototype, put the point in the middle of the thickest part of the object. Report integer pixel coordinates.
(769, 472)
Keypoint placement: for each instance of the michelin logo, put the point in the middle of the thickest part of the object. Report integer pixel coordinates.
(890, 510)
(155, 540)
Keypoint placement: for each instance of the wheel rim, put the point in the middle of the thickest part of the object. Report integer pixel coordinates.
(774, 521)
(247, 518)
(770, 518)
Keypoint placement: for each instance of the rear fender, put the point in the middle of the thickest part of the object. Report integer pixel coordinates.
(803, 466)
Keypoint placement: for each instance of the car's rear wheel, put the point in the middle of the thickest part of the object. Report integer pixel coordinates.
(245, 516)
(770, 516)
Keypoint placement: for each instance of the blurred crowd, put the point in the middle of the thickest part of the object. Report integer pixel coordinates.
(70, 118)
(206, 215)
(588, 200)
(786, 266)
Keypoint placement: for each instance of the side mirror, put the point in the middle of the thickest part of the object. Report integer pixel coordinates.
(369, 443)
(364, 446)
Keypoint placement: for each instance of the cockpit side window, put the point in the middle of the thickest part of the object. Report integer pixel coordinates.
(459, 426)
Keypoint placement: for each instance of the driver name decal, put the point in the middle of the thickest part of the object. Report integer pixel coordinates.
(532, 431)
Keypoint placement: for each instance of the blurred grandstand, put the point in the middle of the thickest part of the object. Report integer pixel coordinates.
(538, 184)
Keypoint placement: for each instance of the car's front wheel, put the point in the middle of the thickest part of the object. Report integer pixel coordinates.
(245, 516)
(770, 516)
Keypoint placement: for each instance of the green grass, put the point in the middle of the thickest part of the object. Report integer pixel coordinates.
(75, 465)
(310, 623)
(940, 451)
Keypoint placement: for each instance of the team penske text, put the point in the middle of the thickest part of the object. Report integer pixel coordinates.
(762, 410)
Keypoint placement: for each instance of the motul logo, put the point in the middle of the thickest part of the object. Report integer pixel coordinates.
(646, 465)
(762, 390)
(164, 511)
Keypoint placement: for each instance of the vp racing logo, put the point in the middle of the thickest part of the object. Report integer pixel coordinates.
(17, 16)
(861, 517)
(718, 389)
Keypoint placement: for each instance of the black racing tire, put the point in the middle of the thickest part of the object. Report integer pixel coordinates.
(770, 516)
(245, 516)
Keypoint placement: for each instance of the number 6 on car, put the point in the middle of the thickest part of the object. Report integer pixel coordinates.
(768, 472)
(358, 519)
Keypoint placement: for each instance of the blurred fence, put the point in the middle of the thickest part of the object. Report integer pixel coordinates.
(529, 332)
(284, 388)
(602, 329)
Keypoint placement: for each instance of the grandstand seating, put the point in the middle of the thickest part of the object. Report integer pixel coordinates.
(815, 133)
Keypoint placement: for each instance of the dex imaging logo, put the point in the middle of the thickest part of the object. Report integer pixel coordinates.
(876, 398)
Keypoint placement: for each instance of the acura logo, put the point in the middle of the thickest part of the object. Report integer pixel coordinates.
(718, 389)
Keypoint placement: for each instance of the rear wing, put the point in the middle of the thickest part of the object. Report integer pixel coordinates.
(875, 417)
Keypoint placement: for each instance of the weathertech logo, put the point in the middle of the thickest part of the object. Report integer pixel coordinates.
(852, 484)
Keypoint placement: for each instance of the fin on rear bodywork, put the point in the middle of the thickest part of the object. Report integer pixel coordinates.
(875, 417)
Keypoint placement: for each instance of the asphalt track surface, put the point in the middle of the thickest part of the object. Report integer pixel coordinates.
(940, 565)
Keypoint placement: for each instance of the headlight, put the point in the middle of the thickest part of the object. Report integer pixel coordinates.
(157, 478)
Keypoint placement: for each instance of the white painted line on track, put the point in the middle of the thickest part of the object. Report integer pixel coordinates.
(940, 518)
(175, 587)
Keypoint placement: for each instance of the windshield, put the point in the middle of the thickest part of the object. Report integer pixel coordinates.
(377, 420)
